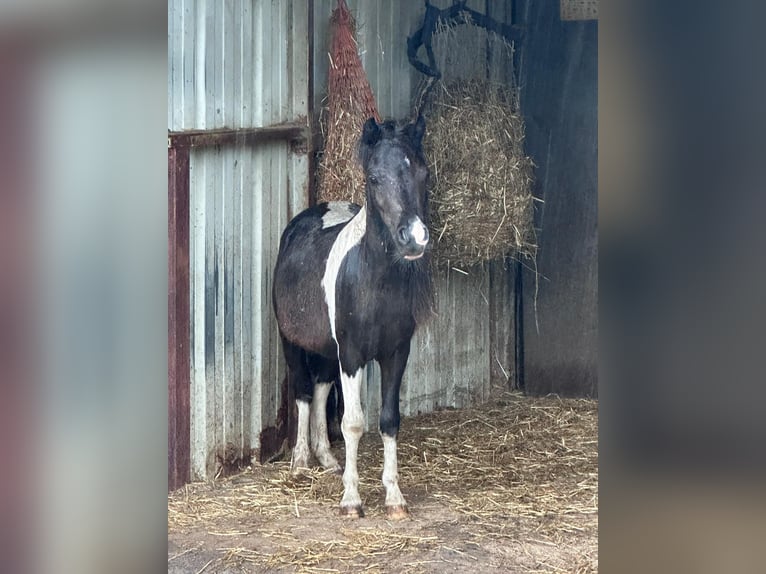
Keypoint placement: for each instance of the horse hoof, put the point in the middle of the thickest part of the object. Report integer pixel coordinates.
(299, 464)
(352, 511)
(397, 512)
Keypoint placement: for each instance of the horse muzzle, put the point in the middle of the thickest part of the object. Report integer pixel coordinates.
(413, 239)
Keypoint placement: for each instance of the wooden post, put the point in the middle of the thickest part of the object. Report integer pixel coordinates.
(179, 384)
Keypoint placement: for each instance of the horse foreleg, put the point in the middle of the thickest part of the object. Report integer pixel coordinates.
(391, 370)
(320, 442)
(352, 427)
(396, 506)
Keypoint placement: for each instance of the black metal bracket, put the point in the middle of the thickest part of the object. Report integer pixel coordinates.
(456, 14)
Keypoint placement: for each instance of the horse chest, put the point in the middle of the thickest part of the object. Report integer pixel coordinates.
(375, 315)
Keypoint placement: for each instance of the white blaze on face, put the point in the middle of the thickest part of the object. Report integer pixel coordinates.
(348, 237)
(337, 212)
(419, 232)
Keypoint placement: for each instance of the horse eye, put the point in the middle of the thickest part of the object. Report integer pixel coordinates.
(373, 180)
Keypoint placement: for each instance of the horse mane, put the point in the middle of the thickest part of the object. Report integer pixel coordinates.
(421, 279)
(408, 134)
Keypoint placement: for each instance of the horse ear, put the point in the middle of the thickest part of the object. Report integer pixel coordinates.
(370, 132)
(416, 130)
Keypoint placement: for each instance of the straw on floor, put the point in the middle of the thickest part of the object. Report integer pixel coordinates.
(533, 460)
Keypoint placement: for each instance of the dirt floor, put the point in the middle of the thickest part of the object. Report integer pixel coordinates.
(507, 487)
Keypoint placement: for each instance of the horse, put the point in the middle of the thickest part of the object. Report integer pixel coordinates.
(351, 284)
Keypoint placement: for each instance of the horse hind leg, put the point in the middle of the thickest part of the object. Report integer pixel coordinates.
(320, 442)
(324, 373)
(300, 380)
(301, 452)
(335, 412)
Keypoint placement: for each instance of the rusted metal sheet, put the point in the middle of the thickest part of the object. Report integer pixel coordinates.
(178, 318)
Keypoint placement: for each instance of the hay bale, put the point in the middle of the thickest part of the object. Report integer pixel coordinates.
(350, 103)
(481, 196)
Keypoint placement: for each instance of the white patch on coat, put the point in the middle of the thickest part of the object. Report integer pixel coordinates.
(301, 451)
(394, 496)
(337, 212)
(353, 429)
(348, 237)
(407, 161)
(320, 442)
(419, 231)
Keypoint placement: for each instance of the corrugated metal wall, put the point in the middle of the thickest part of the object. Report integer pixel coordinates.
(237, 64)
(453, 359)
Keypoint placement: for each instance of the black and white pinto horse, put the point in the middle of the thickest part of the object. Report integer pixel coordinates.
(351, 284)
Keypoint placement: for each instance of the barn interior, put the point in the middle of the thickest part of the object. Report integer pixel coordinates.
(506, 370)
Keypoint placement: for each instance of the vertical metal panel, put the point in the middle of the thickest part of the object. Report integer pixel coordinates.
(232, 64)
(237, 64)
(502, 327)
(449, 364)
(559, 98)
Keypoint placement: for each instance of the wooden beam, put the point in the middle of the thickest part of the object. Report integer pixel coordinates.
(297, 131)
(179, 384)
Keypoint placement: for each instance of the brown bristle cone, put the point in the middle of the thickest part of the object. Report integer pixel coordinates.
(350, 102)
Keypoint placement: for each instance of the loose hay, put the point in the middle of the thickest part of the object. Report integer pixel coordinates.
(350, 103)
(481, 198)
(530, 462)
(349, 547)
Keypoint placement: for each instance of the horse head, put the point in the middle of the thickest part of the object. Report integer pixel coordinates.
(397, 183)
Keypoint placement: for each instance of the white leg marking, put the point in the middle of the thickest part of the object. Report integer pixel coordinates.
(391, 473)
(301, 451)
(347, 238)
(353, 428)
(320, 442)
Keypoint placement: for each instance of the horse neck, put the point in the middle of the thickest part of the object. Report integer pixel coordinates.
(376, 240)
(378, 251)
